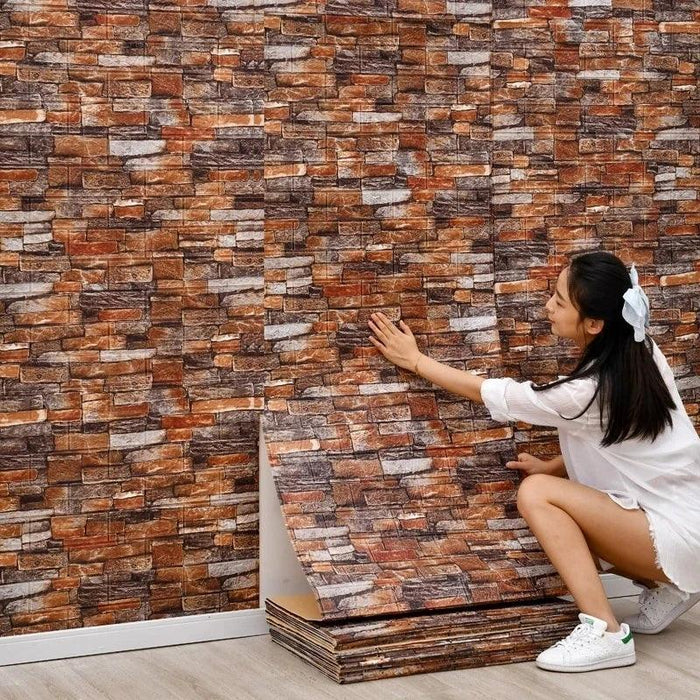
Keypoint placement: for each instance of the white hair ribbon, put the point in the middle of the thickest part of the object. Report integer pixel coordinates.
(636, 308)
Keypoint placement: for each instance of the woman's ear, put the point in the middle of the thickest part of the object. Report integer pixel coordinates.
(593, 326)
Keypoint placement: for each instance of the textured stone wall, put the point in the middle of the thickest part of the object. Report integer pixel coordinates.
(130, 310)
(441, 169)
(377, 165)
(430, 159)
(596, 144)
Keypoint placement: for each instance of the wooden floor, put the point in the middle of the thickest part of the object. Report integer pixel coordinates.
(668, 667)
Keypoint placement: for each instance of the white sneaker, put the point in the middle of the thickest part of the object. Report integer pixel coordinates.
(659, 607)
(589, 647)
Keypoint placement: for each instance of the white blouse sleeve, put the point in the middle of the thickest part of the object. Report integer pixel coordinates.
(508, 400)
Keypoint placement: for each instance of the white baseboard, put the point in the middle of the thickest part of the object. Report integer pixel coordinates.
(126, 636)
(615, 587)
(618, 586)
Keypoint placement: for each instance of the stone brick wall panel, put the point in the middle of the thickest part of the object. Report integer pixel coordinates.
(436, 160)
(597, 148)
(131, 189)
(377, 174)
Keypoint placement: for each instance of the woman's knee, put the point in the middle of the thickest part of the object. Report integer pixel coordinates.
(534, 491)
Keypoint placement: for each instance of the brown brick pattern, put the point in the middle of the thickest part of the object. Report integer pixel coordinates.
(377, 166)
(131, 305)
(349, 651)
(384, 115)
(436, 160)
(596, 144)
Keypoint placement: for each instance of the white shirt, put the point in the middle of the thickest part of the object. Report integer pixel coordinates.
(660, 477)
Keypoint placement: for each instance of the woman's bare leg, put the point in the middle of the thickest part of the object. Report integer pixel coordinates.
(645, 581)
(617, 570)
(567, 518)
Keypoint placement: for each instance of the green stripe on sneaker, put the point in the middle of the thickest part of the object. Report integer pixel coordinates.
(627, 638)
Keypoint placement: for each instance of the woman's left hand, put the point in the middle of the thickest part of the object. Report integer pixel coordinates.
(398, 346)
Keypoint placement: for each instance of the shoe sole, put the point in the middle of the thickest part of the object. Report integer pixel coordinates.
(675, 613)
(607, 663)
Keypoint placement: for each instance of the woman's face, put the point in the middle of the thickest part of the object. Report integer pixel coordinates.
(565, 318)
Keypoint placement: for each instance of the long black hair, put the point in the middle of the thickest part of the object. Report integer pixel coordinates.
(630, 385)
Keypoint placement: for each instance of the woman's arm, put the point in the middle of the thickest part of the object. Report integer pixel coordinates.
(528, 464)
(400, 347)
(558, 466)
(458, 381)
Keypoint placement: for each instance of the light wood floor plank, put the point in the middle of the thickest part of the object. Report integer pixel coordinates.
(668, 666)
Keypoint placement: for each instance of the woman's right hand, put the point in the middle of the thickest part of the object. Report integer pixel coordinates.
(398, 345)
(528, 464)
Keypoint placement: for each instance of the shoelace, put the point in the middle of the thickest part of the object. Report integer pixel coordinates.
(581, 636)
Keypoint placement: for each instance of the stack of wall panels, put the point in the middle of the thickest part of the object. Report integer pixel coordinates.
(382, 647)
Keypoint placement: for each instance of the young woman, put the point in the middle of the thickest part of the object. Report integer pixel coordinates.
(629, 449)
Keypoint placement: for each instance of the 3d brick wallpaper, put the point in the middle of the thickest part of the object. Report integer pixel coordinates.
(132, 310)
(377, 169)
(200, 204)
